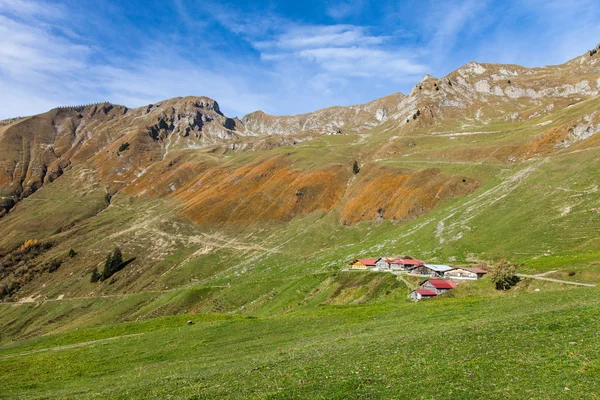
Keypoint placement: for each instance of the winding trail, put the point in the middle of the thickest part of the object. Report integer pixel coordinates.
(554, 280)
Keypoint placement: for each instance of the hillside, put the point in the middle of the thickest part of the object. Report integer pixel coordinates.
(258, 215)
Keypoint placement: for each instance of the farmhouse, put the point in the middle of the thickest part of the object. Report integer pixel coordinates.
(431, 270)
(383, 263)
(465, 273)
(404, 264)
(438, 285)
(421, 294)
(363, 263)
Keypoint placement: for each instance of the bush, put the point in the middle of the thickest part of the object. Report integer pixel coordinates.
(503, 275)
(123, 147)
(72, 253)
(4, 290)
(95, 275)
(355, 168)
(27, 245)
(53, 265)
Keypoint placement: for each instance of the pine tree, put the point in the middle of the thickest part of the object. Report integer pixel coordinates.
(95, 275)
(113, 263)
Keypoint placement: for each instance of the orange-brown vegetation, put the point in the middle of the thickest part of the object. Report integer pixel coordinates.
(404, 195)
(266, 190)
(546, 142)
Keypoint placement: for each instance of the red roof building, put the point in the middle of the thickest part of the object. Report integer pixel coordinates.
(438, 285)
(369, 262)
(425, 292)
(363, 263)
(442, 284)
(421, 294)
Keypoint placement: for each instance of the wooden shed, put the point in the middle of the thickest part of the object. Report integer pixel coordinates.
(421, 294)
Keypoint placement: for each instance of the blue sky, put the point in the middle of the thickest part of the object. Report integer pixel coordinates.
(283, 57)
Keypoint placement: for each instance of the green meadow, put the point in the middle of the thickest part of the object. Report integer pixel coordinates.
(518, 344)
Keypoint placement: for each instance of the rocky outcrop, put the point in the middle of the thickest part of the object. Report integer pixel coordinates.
(332, 120)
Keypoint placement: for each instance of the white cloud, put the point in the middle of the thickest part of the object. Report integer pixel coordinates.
(28, 51)
(344, 50)
(345, 9)
(28, 8)
(318, 36)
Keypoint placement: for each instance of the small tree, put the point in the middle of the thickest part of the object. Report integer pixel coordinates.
(113, 263)
(503, 275)
(95, 275)
(355, 168)
(123, 147)
(72, 253)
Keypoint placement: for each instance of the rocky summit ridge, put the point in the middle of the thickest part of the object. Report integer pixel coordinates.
(448, 171)
(36, 150)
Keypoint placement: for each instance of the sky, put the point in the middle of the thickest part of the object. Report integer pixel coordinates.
(282, 57)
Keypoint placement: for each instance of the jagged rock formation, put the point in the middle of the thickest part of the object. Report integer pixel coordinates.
(178, 180)
(124, 144)
(331, 121)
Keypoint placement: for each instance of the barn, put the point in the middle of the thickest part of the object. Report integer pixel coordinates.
(404, 264)
(383, 263)
(465, 273)
(438, 285)
(421, 294)
(435, 270)
(363, 263)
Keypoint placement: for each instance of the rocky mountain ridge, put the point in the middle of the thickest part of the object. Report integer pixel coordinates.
(36, 150)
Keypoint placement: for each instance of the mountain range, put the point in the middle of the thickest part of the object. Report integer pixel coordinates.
(223, 213)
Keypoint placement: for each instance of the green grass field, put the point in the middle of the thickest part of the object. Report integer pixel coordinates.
(274, 314)
(520, 344)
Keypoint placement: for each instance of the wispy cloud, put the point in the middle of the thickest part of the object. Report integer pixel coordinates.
(22, 8)
(345, 9)
(268, 56)
(343, 51)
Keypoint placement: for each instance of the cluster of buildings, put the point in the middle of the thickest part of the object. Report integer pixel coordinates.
(442, 274)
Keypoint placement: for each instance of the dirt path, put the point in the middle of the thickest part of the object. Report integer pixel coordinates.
(546, 273)
(554, 280)
(68, 346)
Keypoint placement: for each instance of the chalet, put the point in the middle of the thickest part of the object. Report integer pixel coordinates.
(404, 264)
(421, 294)
(438, 285)
(383, 263)
(363, 263)
(465, 273)
(431, 270)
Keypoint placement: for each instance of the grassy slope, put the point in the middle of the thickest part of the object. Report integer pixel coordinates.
(534, 345)
(318, 330)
